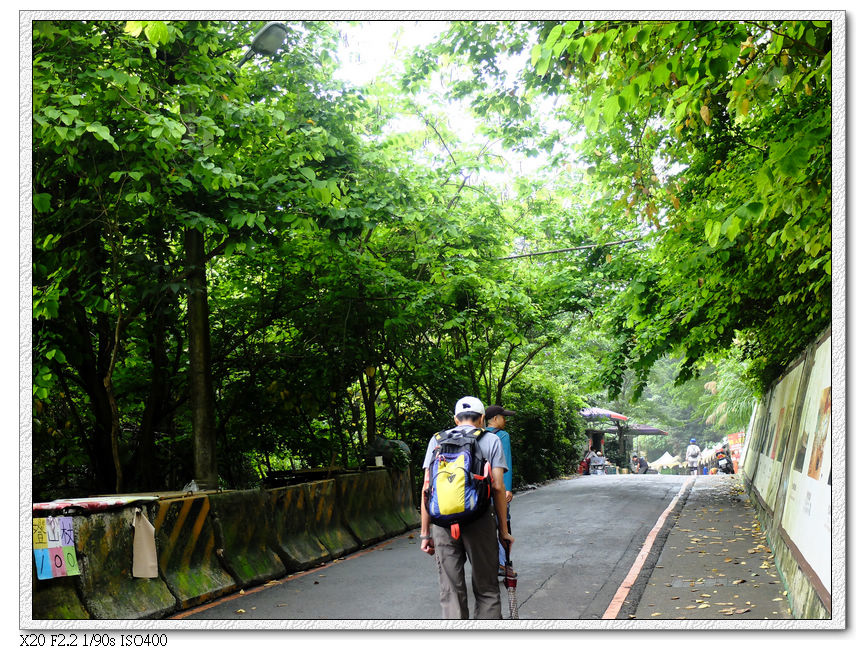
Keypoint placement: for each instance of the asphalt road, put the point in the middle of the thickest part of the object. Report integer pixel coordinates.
(576, 540)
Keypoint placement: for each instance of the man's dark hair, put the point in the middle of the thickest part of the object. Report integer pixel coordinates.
(471, 416)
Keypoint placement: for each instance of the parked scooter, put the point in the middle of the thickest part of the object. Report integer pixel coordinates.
(723, 459)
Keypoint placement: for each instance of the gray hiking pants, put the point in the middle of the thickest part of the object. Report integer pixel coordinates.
(479, 543)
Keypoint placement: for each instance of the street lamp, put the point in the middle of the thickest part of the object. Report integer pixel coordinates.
(267, 41)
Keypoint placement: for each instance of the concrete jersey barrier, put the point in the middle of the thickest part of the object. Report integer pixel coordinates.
(188, 561)
(383, 502)
(56, 599)
(245, 535)
(104, 544)
(209, 545)
(326, 521)
(356, 501)
(296, 543)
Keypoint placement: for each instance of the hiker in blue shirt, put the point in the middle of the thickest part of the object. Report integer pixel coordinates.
(496, 422)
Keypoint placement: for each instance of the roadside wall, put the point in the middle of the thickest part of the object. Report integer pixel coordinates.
(787, 469)
(211, 544)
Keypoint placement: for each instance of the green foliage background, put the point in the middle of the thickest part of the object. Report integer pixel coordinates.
(361, 254)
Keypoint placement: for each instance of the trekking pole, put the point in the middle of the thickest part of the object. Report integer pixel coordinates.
(510, 581)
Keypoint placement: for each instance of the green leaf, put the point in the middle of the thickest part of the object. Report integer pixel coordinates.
(751, 210)
(713, 232)
(733, 228)
(134, 27)
(307, 172)
(611, 108)
(555, 32)
(571, 26)
(156, 32)
(42, 202)
(544, 63)
(536, 54)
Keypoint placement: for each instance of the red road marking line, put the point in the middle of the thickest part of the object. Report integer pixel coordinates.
(628, 582)
(274, 583)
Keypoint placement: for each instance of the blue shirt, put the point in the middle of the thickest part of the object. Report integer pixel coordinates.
(505, 437)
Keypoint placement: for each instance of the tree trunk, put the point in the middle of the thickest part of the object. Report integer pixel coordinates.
(146, 475)
(200, 381)
(368, 393)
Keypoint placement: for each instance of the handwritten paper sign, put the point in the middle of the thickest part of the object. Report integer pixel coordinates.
(40, 535)
(54, 548)
(43, 564)
(71, 561)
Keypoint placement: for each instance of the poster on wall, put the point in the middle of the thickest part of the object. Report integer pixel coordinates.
(782, 406)
(807, 506)
(753, 439)
(816, 466)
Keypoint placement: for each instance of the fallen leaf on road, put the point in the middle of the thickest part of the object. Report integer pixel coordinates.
(677, 598)
(703, 605)
(656, 613)
(690, 607)
(776, 599)
(242, 592)
(738, 582)
(240, 611)
(742, 611)
(282, 605)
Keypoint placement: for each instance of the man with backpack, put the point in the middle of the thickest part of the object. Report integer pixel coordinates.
(463, 474)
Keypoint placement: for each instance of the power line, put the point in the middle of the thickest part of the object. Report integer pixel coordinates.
(569, 250)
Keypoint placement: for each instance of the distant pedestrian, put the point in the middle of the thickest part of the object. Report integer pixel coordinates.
(640, 464)
(692, 456)
(495, 417)
(475, 541)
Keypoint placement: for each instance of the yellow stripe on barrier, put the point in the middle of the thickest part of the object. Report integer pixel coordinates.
(196, 532)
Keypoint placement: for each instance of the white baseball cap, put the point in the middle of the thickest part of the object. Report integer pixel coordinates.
(469, 405)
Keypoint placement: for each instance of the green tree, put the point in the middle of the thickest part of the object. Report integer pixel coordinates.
(143, 146)
(712, 138)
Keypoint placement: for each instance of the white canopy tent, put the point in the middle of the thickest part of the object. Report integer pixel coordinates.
(666, 461)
